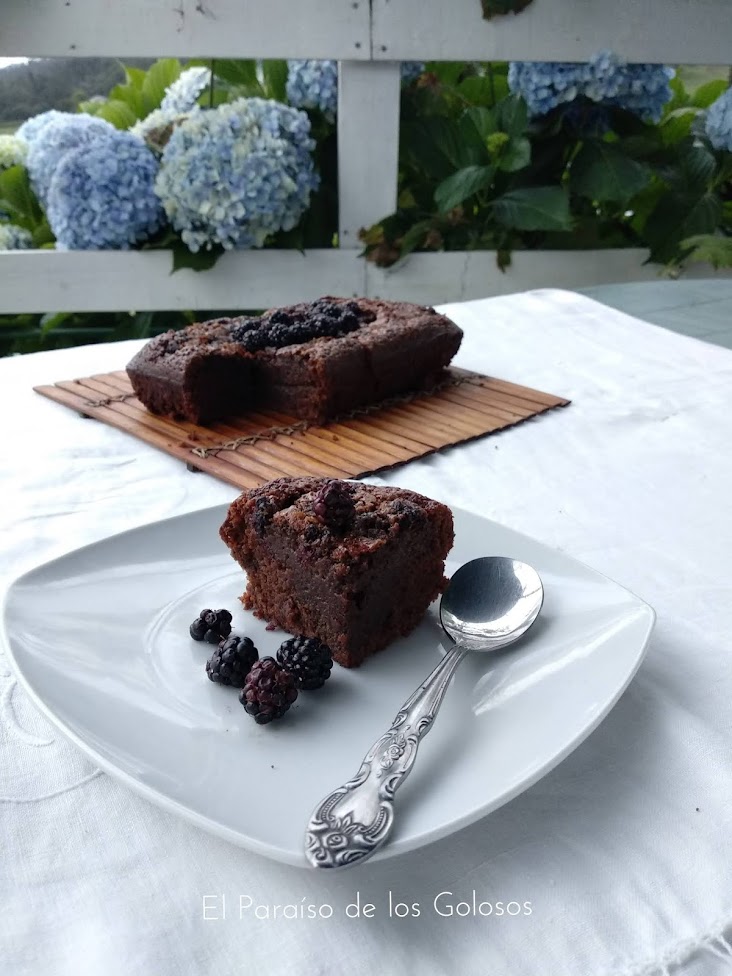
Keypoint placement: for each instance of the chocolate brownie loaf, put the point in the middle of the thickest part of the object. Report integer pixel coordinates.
(314, 360)
(352, 564)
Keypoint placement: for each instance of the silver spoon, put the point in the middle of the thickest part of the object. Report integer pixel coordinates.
(489, 603)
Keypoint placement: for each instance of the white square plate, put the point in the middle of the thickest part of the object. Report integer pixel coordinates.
(99, 639)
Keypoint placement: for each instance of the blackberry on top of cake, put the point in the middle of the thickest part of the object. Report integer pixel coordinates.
(314, 360)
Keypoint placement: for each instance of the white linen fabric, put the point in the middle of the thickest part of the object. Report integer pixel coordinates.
(624, 851)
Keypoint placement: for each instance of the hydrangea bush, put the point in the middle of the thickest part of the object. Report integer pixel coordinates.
(13, 151)
(182, 94)
(50, 143)
(642, 89)
(14, 238)
(242, 154)
(32, 127)
(234, 175)
(551, 155)
(102, 195)
(718, 122)
(314, 84)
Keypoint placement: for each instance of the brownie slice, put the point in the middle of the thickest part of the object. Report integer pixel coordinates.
(315, 360)
(353, 564)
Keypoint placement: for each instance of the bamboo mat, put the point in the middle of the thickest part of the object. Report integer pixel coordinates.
(249, 450)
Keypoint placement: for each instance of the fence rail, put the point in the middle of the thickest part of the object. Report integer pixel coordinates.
(675, 31)
(368, 38)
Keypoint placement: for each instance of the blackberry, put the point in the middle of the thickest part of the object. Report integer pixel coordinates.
(280, 317)
(254, 340)
(232, 660)
(321, 319)
(211, 626)
(243, 328)
(308, 660)
(268, 691)
(334, 505)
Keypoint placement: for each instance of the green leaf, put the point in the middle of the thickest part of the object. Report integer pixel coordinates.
(515, 155)
(91, 107)
(709, 248)
(704, 216)
(132, 98)
(117, 113)
(483, 90)
(135, 77)
(462, 185)
(200, 261)
(678, 216)
(242, 73)
(484, 121)
(706, 94)
(414, 237)
(534, 208)
(692, 170)
(448, 72)
(18, 199)
(680, 97)
(676, 126)
(512, 115)
(275, 79)
(422, 147)
(602, 172)
(43, 235)
(452, 140)
(470, 149)
(53, 320)
(158, 77)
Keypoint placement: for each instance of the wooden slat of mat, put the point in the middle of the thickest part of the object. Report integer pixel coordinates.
(245, 451)
(397, 446)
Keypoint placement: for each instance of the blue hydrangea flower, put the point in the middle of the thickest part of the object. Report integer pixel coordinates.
(546, 84)
(14, 238)
(13, 151)
(639, 88)
(102, 195)
(182, 94)
(31, 127)
(56, 138)
(236, 174)
(644, 90)
(718, 122)
(313, 84)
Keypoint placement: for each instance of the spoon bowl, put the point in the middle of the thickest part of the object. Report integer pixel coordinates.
(489, 603)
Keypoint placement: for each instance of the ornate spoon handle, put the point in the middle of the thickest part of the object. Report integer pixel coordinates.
(355, 819)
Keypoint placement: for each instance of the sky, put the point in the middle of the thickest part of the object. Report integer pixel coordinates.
(4, 62)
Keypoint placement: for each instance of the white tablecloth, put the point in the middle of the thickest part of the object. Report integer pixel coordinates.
(624, 851)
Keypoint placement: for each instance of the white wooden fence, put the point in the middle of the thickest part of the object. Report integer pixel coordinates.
(368, 38)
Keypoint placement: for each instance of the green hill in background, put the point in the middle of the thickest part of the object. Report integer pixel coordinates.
(60, 83)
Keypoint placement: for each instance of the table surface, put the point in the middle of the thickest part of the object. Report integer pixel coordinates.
(624, 850)
(702, 309)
